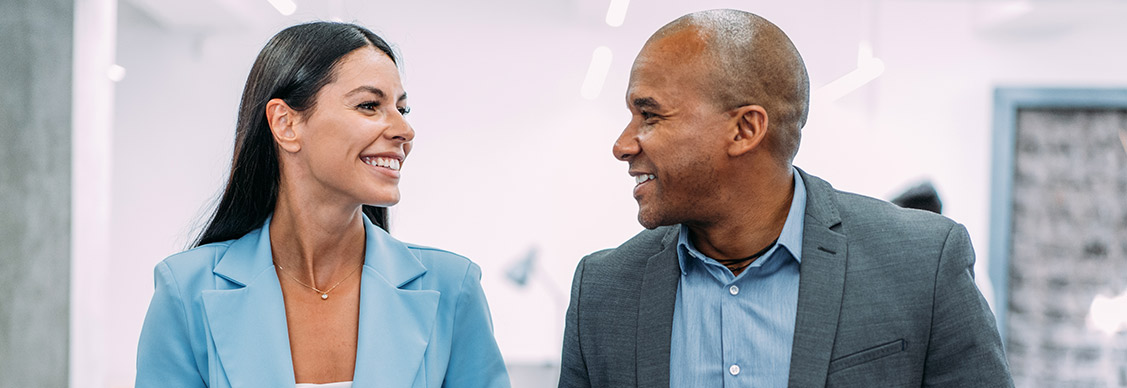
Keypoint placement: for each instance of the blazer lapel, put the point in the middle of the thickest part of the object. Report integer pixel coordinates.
(821, 284)
(248, 322)
(655, 314)
(396, 317)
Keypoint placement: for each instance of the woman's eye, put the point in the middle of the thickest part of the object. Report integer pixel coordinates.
(404, 110)
(369, 105)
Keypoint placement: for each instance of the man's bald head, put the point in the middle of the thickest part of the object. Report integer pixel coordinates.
(751, 62)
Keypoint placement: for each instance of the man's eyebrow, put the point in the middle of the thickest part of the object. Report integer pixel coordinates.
(370, 89)
(646, 102)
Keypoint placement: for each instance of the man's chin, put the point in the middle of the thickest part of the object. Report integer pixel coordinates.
(650, 221)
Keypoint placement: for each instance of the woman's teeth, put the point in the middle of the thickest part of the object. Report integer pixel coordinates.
(638, 179)
(383, 162)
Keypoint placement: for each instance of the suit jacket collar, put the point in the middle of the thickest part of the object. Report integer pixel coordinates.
(247, 320)
(389, 257)
(397, 316)
(821, 285)
(655, 313)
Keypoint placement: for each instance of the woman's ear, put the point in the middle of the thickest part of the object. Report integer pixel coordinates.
(283, 122)
(751, 129)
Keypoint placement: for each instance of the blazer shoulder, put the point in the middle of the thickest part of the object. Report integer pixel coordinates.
(866, 215)
(626, 263)
(443, 265)
(899, 242)
(196, 263)
(438, 256)
(636, 250)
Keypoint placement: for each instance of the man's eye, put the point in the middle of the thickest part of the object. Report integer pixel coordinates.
(369, 105)
(647, 116)
(404, 110)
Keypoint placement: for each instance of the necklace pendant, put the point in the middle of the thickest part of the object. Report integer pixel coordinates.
(324, 296)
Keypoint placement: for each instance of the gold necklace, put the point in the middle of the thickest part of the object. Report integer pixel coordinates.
(325, 293)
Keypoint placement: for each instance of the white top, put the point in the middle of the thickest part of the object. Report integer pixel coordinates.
(342, 384)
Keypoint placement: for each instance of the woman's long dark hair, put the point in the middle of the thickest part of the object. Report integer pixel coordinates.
(293, 66)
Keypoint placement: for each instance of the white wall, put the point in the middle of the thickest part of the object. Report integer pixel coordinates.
(508, 156)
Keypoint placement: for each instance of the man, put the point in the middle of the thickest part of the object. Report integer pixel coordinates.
(752, 272)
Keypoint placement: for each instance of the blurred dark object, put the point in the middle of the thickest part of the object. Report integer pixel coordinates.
(519, 271)
(922, 196)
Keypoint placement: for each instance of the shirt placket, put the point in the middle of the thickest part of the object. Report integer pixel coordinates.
(732, 332)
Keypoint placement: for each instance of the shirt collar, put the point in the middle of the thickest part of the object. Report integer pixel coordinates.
(790, 238)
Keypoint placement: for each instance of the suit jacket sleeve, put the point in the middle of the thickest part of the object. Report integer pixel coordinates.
(164, 352)
(573, 369)
(475, 359)
(965, 348)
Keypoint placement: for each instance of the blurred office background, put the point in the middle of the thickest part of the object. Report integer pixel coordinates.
(117, 121)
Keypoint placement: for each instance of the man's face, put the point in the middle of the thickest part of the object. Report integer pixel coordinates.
(674, 142)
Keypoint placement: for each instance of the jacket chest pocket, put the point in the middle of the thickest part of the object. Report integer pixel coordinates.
(867, 355)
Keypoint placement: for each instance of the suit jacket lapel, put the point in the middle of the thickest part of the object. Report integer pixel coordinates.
(248, 322)
(655, 314)
(821, 284)
(396, 317)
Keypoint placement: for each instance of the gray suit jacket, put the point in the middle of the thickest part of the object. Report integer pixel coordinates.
(886, 298)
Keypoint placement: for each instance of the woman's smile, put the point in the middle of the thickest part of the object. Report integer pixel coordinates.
(388, 165)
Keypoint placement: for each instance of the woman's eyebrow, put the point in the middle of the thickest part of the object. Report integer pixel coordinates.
(370, 89)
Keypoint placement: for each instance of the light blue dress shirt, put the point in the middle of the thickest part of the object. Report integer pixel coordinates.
(737, 331)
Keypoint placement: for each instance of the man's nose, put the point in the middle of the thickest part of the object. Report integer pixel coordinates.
(626, 146)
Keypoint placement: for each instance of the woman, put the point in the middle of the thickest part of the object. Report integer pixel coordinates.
(295, 280)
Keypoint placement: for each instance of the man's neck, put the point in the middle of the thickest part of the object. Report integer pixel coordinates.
(750, 226)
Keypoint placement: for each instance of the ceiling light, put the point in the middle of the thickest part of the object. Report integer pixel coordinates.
(596, 73)
(284, 7)
(616, 13)
(868, 69)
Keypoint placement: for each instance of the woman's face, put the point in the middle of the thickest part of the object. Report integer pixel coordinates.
(355, 139)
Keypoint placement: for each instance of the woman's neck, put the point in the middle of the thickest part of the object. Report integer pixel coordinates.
(315, 241)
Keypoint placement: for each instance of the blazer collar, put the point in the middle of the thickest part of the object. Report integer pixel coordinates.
(247, 320)
(390, 258)
(821, 285)
(397, 316)
(655, 313)
(820, 204)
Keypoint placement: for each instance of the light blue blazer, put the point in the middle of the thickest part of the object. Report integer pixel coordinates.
(217, 319)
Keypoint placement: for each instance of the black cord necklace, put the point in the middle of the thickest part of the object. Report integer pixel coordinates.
(738, 265)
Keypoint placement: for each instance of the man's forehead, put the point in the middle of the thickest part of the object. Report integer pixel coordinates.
(669, 62)
(647, 81)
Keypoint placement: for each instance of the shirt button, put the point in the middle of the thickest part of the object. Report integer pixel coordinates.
(734, 291)
(734, 369)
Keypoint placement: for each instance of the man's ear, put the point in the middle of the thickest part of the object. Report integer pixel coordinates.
(283, 121)
(751, 129)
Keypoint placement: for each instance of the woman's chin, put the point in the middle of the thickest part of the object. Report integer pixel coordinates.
(383, 200)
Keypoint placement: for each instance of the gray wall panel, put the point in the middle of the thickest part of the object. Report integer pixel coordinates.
(35, 190)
